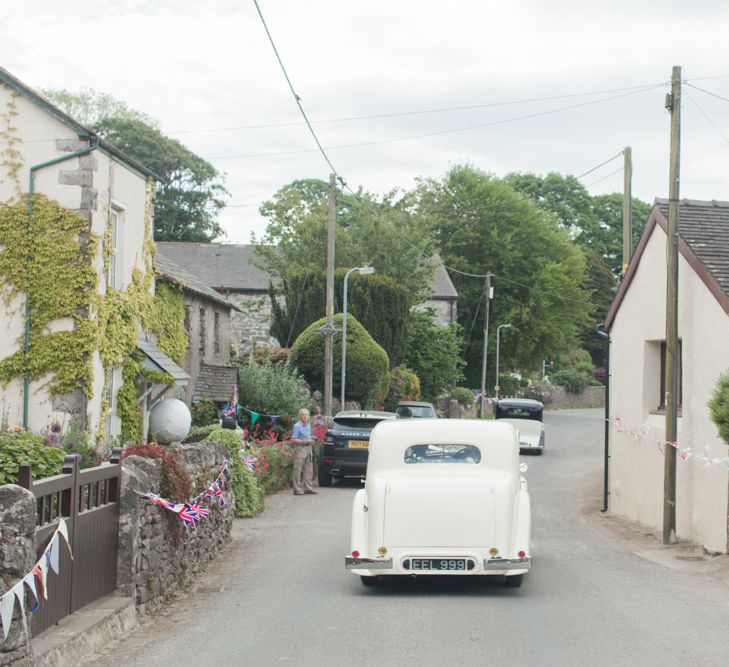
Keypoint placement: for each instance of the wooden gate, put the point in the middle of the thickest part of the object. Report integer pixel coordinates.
(89, 502)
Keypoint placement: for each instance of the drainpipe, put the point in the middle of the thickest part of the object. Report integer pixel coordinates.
(606, 492)
(33, 169)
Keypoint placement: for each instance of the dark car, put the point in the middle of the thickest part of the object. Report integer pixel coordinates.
(415, 409)
(344, 451)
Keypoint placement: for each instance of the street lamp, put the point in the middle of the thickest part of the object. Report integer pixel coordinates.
(498, 342)
(362, 270)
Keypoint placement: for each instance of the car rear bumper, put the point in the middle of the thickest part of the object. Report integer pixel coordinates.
(504, 565)
(352, 563)
(490, 566)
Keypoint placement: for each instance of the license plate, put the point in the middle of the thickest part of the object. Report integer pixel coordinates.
(441, 564)
(358, 444)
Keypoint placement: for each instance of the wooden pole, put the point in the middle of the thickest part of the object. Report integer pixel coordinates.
(329, 340)
(673, 103)
(627, 207)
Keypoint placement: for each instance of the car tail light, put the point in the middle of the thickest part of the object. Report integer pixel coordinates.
(327, 460)
(521, 554)
(382, 551)
(494, 551)
(355, 554)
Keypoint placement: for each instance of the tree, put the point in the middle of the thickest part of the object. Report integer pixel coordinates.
(483, 225)
(380, 233)
(434, 353)
(191, 192)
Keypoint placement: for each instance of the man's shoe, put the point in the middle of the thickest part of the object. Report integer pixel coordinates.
(312, 492)
(298, 493)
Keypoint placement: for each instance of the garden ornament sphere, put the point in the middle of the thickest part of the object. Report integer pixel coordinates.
(169, 421)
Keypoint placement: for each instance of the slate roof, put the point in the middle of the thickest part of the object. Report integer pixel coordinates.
(168, 270)
(215, 383)
(442, 285)
(220, 266)
(159, 361)
(704, 225)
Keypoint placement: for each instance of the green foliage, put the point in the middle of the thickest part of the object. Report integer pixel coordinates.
(463, 395)
(76, 441)
(248, 492)
(200, 433)
(176, 484)
(25, 448)
(274, 464)
(508, 385)
(719, 406)
(404, 386)
(166, 319)
(434, 353)
(367, 362)
(379, 303)
(273, 389)
(483, 225)
(89, 107)
(572, 380)
(369, 231)
(204, 413)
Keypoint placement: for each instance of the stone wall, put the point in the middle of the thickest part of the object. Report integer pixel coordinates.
(159, 558)
(251, 327)
(17, 558)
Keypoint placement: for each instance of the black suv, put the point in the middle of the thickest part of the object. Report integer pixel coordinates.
(346, 443)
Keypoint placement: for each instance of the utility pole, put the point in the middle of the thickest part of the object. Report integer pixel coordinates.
(627, 207)
(485, 344)
(673, 104)
(329, 327)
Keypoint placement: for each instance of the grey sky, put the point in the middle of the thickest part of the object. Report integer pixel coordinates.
(202, 68)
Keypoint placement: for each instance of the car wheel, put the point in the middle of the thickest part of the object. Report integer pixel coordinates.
(325, 479)
(514, 581)
(368, 581)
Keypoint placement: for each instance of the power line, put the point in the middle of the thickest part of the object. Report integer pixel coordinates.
(604, 178)
(705, 115)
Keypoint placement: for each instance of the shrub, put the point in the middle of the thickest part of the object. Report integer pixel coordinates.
(176, 484)
(274, 355)
(719, 406)
(204, 413)
(200, 433)
(572, 380)
(26, 448)
(508, 385)
(272, 389)
(367, 362)
(76, 441)
(274, 464)
(404, 385)
(248, 492)
(463, 395)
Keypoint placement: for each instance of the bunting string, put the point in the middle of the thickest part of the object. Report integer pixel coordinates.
(36, 580)
(642, 434)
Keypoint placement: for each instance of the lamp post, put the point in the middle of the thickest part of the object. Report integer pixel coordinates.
(362, 270)
(498, 342)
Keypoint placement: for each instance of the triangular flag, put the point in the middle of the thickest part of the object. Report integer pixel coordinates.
(38, 572)
(19, 590)
(29, 581)
(254, 417)
(7, 604)
(63, 529)
(53, 552)
(275, 418)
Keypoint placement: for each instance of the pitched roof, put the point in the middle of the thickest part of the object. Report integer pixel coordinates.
(81, 131)
(173, 273)
(442, 285)
(220, 266)
(215, 383)
(158, 361)
(703, 230)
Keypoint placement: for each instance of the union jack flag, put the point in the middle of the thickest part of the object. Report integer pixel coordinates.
(251, 462)
(201, 511)
(215, 492)
(189, 515)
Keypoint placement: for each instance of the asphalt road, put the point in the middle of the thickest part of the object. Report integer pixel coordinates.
(600, 592)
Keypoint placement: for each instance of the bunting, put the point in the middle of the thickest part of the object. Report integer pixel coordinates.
(35, 580)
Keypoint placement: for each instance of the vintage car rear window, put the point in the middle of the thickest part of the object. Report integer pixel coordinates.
(442, 454)
(517, 413)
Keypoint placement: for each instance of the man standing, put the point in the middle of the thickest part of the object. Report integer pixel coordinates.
(301, 440)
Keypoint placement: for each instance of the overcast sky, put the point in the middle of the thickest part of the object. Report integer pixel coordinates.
(207, 72)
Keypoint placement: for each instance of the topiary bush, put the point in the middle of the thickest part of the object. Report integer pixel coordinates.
(719, 406)
(573, 381)
(367, 362)
(248, 492)
(25, 448)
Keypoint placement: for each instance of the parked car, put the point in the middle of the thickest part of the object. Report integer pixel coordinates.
(415, 409)
(345, 447)
(526, 415)
(442, 497)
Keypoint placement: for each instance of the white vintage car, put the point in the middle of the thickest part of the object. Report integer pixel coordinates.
(442, 497)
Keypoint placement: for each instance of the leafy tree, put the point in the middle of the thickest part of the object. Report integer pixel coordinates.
(367, 363)
(434, 353)
(599, 282)
(719, 406)
(483, 225)
(191, 192)
(377, 302)
(379, 233)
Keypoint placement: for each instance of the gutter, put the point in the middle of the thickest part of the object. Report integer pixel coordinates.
(34, 168)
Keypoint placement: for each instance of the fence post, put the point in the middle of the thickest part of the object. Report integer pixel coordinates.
(25, 478)
(115, 482)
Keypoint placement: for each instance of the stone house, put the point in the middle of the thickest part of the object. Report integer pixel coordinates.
(231, 270)
(75, 259)
(207, 324)
(637, 326)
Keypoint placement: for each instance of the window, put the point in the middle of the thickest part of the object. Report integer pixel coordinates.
(662, 403)
(113, 422)
(113, 273)
(442, 454)
(202, 330)
(186, 322)
(216, 333)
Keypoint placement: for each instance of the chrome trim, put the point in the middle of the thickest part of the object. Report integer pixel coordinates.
(507, 563)
(352, 563)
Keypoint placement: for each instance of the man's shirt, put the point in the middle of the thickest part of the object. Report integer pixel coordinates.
(301, 431)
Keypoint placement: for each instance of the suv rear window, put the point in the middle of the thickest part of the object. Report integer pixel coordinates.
(442, 454)
(418, 411)
(356, 423)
